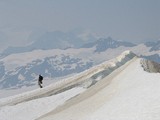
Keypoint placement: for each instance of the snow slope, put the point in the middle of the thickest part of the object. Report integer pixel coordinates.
(132, 94)
(116, 89)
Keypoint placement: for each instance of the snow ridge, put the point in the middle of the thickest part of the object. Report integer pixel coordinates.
(84, 79)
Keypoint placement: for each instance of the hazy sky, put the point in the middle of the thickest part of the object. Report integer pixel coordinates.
(130, 20)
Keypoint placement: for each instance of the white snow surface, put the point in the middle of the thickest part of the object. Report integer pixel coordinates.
(132, 94)
(32, 109)
(128, 93)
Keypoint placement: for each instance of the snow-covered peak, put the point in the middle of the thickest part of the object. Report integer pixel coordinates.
(126, 55)
(103, 44)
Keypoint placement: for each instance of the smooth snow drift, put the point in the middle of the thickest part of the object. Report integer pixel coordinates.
(118, 89)
(131, 94)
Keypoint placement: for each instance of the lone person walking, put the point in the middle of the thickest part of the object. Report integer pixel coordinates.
(40, 81)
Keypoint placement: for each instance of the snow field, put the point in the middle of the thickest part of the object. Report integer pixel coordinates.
(132, 94)
(32, 109)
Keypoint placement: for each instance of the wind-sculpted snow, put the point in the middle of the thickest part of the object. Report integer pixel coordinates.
(85, 79)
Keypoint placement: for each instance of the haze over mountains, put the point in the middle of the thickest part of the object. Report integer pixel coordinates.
(54, 40)
(73, 39)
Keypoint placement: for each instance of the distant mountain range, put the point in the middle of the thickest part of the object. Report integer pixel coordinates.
(20, 66)
(51, 66)
(53, 40)
(154, 46)
(103, 44)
